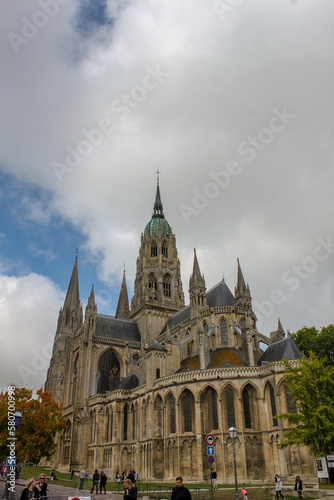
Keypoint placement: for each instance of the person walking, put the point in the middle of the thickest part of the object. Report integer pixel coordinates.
(103, 481)
(72, 474)
(278, 486)
(118, 476)
(41, 486)
(96, 479)
(180, 492)
(299, 487)
(82, 476)
(130, 490)
(244, 492)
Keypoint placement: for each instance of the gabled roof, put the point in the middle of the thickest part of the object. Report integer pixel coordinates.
(282, 349)
(220, 295)
(116, 328)
(178, 317)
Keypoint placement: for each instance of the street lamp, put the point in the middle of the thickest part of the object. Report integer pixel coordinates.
(233, 434)
(17, 420)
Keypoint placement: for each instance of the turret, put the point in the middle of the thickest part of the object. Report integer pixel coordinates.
(242, 291)
(197, 289)
(123, 309)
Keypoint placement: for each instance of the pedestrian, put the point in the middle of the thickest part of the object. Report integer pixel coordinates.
(130, 490)
(130, 476)
(124, 474)
(299, 487)
(82, 476)
(135, 475)
(41, 486)
(180, 492)
(17, 471)
(72, 474)
(30, 490)
(118, 476)
(96, 479)
(53, 474)
(103, 481)
(244, 492)
(214, 479)
(278, 486)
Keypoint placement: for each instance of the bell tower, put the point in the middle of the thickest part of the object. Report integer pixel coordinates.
(158, 289)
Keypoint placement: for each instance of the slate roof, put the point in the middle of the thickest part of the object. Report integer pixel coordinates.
(220, 295)
(282, 349)
(129, 382)
(116, 328)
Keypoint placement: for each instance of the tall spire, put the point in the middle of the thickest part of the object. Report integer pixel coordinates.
(91, 305)
(72, 300)
(241, 290)
(123, 301)
(157, 207)
(196, 269)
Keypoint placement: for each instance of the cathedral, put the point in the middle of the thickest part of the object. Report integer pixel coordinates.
(143, 388)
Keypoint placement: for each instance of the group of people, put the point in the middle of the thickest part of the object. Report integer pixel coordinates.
(298, 487)
(35, 489)
(98, 478)
(131, 474)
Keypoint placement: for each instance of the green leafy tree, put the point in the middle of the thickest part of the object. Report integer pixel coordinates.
(311, 385)
(320, 342)
(41, 421)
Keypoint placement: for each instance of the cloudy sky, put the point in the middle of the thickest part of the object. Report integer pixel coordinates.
(231, 100)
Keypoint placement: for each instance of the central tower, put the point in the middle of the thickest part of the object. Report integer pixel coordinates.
(158, 292)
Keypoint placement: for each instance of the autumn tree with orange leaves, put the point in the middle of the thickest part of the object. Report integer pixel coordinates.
(41, 421)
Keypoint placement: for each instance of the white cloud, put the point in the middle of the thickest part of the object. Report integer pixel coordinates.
(223, 77)
(28, 318)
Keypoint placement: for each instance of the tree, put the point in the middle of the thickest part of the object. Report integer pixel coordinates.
(311, 385)
(41, 420)
(320, 342)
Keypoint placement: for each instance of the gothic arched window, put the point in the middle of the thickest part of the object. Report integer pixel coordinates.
(230, 407)
(154, 249)
(75, 380)
(152, 282)
(187, 406)
(171, 414)
(166, 285)
(125, 423)
(247, 410)
(273, 405)
(223, 332)
(209, 410)
(108, 372)
(164, 250)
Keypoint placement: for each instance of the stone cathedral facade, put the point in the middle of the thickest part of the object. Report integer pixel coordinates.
(142, 389)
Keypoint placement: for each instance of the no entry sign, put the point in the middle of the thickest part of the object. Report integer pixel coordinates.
(210, 440)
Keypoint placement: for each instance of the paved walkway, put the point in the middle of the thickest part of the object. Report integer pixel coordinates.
(56, 490)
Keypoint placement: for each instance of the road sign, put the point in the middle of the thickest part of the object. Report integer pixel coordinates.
(211, 459)
(211, 450)
(210, 440)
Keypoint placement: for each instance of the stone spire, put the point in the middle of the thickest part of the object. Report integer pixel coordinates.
(91, 307)
(72, 300)
(242, 291)
(197, 288)
(278, 334)
(123, 309)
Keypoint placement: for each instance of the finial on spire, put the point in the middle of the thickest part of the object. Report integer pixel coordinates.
(77, 251)
(158, 173)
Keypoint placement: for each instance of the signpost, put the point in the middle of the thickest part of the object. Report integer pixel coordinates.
(210, 441)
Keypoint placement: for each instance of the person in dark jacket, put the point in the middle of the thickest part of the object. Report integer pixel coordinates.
(130, 490)
(180, 492)
(103, 481)
(30, 490)
(96, 479)
(41, 486)
(299, 487)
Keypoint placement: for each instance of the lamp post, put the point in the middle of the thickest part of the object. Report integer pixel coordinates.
(233, 434)
(17, 420)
